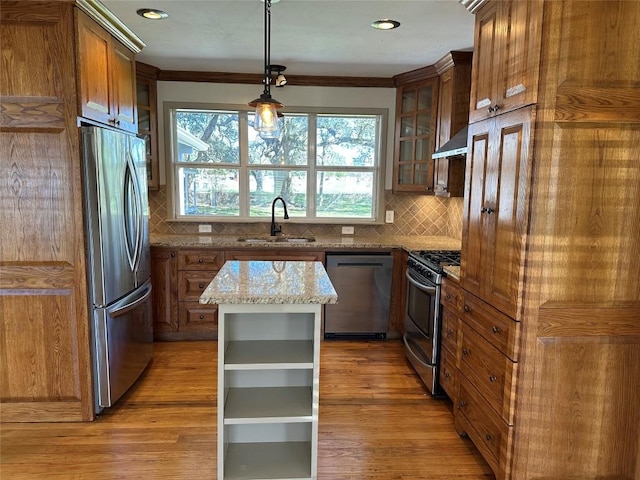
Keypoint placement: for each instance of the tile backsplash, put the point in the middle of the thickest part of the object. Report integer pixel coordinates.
(414, 215)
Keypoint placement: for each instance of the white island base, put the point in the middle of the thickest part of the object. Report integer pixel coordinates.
(268, 376)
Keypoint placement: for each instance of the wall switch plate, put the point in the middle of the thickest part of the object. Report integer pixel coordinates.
(204, 228)
(348, 230)
(388, 216)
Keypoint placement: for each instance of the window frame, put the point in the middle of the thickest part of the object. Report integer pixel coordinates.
(379, 171)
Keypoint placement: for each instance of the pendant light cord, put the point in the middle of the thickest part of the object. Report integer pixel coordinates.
(267, 46)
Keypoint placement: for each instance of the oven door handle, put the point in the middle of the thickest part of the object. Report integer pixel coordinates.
(419, 286)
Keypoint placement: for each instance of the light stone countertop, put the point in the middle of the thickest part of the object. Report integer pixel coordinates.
(346, 242)
(452, 272)
(270, 282)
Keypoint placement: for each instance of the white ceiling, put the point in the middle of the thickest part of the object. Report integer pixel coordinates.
(309, 37)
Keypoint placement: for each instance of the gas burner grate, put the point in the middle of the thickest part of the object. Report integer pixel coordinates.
(436, 259)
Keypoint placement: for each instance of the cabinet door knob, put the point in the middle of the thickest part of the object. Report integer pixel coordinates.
(467, 308)
(449, 332)
(447, 375)
(201, 317)
(201, 285)
(490, 210)
(447, 296)
(465, 351)
(488, 437)
(461, 404)
(492, 378)
(200, 260)
(483, 210)
(495, 329)
(173, 254)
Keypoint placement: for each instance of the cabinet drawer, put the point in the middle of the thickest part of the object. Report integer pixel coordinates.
(489, 370)
(449, 329)
(447, 373)
(194, 317)
(489, 433)
(192, 284)
(497, 328)
(450, 295)
(200, 260)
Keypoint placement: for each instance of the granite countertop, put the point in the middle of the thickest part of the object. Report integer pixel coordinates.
(408, 243)
(270, 282)
(452, 272)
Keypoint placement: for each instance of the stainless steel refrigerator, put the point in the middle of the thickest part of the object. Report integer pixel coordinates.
(117, 229)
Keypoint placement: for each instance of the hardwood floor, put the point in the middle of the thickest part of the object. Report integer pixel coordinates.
(376, 422)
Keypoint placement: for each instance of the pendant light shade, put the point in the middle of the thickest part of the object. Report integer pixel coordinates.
(266, 119)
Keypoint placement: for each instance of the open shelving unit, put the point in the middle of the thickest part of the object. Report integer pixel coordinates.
(268, 379)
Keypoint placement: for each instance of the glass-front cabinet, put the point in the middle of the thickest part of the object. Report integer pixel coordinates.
(416, 109)
(147, 117)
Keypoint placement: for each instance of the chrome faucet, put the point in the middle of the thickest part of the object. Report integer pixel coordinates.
(274, 228)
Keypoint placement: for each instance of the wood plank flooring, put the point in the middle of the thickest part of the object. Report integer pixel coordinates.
(376, 422)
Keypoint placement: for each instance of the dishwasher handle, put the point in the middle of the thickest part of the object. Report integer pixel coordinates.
(367, 261)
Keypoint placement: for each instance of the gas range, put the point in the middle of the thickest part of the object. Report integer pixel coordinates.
(430, 263)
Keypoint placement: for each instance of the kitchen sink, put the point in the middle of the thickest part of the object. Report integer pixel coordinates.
(283, 239)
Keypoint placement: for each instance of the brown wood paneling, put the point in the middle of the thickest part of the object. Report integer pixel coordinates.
(587, 385)
(256, 79)
(579, 103)
(45, 370)
(164, 279)
(276, 255)
(398, 294)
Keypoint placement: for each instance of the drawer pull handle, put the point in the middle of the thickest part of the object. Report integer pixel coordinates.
(495, 329)
(201, 285)
(447, 296)
(465, 351)
(467, 308)
(447, 375)
(201, 317)
(492, 378)
(461, 404)
(173, 254)
(200, 260)
(488, 437)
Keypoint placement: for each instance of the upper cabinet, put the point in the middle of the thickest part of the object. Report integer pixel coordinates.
(506, 57)
(416, 109)
(454, 70)
(495, 211)
(107, 79)
(147, 76)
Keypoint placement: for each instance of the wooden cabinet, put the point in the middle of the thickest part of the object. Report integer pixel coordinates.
(107, 79)
(506, 58)
(164, 281)
(495, 210)
(550, 223)
(179, 276)
(276, 255)
(146, 96)
(454, 70)
(450, 299)
(415, 135)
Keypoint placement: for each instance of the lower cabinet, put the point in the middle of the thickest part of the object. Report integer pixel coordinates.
(268, 391)
(486, 368)
(450, 298)
(179, 276)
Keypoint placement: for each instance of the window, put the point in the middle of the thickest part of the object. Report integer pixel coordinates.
(326, 165)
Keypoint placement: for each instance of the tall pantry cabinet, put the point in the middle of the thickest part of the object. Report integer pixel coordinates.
(550, 274)
(45, 358)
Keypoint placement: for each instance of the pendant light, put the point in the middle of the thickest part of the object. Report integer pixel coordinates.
(266, 118)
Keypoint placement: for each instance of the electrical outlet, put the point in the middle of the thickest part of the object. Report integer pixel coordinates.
(204, 228)
(388, 216)
(348, 230)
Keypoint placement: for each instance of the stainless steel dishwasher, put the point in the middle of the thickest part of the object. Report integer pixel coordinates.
(363, 284)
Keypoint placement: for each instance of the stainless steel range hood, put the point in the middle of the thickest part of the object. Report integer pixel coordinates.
(456, 146)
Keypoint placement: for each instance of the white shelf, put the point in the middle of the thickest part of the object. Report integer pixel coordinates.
(268, 405)
(269, 354)
(283, 460)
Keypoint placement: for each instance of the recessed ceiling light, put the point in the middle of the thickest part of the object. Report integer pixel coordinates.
(385, 24)
(152, 13)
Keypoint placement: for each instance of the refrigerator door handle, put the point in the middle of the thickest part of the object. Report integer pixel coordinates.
(132, 216)
(131, 305)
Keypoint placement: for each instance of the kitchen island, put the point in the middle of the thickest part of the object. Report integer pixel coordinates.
(268, 366)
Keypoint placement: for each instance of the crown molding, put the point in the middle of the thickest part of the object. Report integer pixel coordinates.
(101, 14)
(473, 5)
